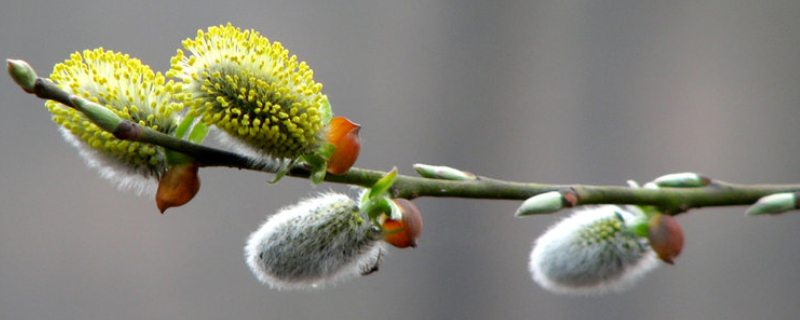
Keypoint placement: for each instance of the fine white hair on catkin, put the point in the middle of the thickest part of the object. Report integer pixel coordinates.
(138, 179)
(316, 242)
(591, 252)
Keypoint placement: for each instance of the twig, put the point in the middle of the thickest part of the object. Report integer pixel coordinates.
(672, 200)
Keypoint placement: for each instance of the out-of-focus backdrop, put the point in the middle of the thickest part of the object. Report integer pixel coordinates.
(593, 92)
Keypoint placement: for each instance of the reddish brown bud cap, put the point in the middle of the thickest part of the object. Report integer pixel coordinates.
(177, 187)
(343, 134)
(405, 232)
(666, 237)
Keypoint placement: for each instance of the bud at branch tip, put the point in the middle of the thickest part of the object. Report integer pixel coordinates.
(22, 73)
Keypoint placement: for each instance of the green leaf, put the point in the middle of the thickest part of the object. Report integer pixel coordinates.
(318, 174)
(639, 225)
(382, 186)
(184, 126)
(283, 172)
(199, 133)
(280, 174)
(325, 152)
(374, 207)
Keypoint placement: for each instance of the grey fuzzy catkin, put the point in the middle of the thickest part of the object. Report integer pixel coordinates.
(316, 242)
(591, 252)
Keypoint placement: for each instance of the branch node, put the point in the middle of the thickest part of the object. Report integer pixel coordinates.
(128, 130)
(570, 197)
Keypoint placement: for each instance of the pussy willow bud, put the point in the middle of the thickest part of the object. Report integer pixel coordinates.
(682, 180)
(403, 232)
(547, 202)
(316, 242)
(266, 101)
(22, 73)
(666, 237)
(442, 172)
(178, 186)
(591, 252)
(129, 90)
(343, 134)
(774, 204)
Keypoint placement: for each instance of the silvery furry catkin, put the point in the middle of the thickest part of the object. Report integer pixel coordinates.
(316, 242)
(591, 252)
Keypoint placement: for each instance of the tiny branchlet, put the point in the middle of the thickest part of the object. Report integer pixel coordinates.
(144, 129)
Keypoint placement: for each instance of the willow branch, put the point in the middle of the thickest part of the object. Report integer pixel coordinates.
(672, 200)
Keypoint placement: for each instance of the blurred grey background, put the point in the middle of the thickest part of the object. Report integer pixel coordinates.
(592, 92)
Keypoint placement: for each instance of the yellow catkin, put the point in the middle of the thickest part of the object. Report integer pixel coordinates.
(253, 90)
(128, 88)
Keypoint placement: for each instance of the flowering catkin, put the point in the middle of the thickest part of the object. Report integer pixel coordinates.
(265, 101)
(591, 252)
(133, 92)
(316, 242)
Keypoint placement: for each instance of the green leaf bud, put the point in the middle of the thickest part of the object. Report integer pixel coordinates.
(547, 202)
(442, 172)
(682, 180)
(22, 73)
(774, 204)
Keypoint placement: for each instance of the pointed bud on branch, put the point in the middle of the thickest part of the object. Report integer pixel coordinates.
(442, 172)
(22, 73)
(682, 180)
(774, 204)
(547, 202)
